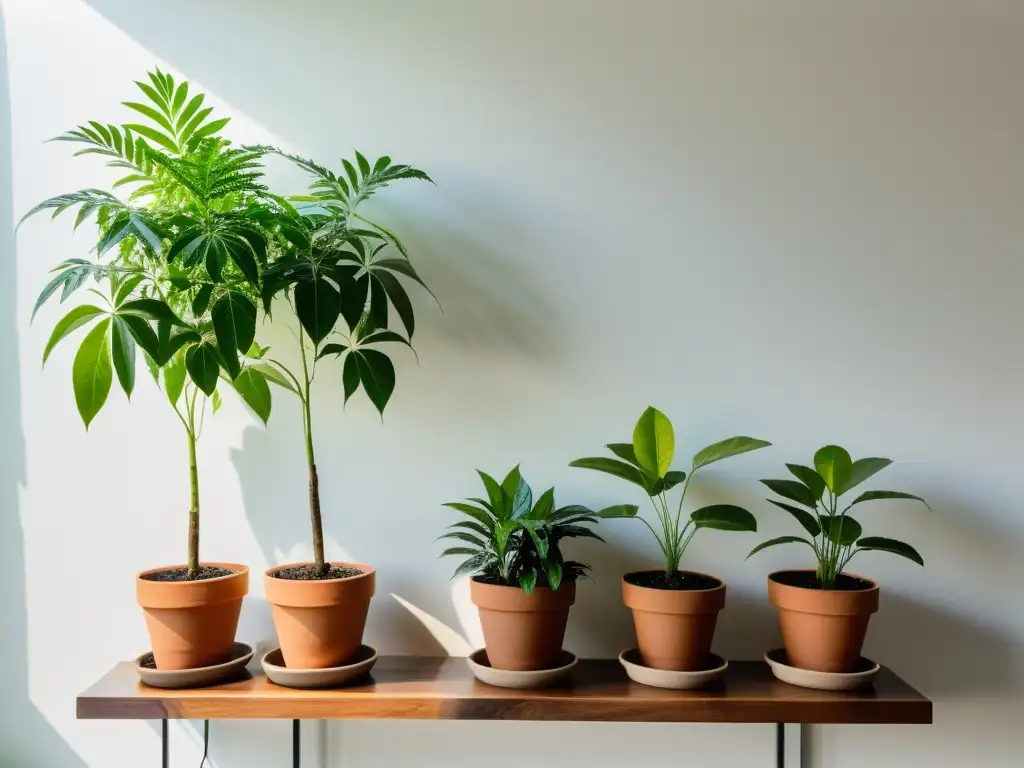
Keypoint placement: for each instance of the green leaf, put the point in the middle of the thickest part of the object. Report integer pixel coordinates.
(126, 289)
(543, 508)
(143, 334)
(671, 479)
(654, 442)
(271, 374)
(496, 496)
(377, 375)
(522, 500)
(840, 529)
(725, 449)
(153, 134)
(209, 129)
(350, 376)
(834, 465)
(881, 544)
(618, 510)
(462, 536)
(554, 572)
(861, 470)
(779, 540)
(624, 451)
(808, 477)
(612, 467)
(318, 305)
(399, 299)
(793, 491)
(190, 109)
(152, 114)
(471, 526)
(122, 347)
(91, 372)
(151, 308)
(234, 324)
(201, 302)
(459, 551)
(203, 367)
(174, 378)
(73, 320)
(331, 349)
(528, 580)
(215, 401)
(880, 495)
(724, 517)
(805, 518)
(255, 391)
(476, 513)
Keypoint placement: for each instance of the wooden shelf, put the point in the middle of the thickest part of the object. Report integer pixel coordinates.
(413, 687)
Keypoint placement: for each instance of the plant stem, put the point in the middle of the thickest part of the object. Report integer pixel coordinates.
(314, 481)
(193, 512)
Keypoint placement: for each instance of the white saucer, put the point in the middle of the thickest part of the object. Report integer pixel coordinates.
(332, 677)
(862, 677)
(194, 678)
(509, 678)
(670, 678)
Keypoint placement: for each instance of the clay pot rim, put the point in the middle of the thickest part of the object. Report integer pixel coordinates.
(720, 585)
(367, 570)
(875, 586)
(237, 570)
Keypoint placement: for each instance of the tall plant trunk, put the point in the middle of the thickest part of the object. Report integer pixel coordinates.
(193, 512)
(319, 563)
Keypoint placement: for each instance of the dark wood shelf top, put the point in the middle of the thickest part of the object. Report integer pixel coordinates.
(427, 688)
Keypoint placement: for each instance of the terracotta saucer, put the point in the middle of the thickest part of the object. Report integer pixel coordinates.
(862, 676)
(194, 678)
(331, 677)
(670, 678)
(509, 678)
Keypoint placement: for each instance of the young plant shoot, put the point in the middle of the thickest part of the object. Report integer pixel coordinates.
(338, 272)
(176, 266)
(647, 462)
(511, 541)
(834, 535)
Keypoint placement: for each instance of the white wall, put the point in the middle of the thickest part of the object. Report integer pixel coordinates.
(796, 220)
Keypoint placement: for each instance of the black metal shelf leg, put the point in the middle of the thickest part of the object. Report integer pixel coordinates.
(296, 745)
(165, 745)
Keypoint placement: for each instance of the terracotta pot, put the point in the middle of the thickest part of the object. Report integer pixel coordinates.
(523, 631)
(320, 623)
(674, 627)
(192, 623)
(823, 629)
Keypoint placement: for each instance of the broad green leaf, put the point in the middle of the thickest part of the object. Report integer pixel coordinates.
(881, 544)
(554, 573)
(840, 529)
(203, 367)
(496, 496)
(377, 375)
(861, 470)
(512, 482)
(215, 401)
(779, 540)
(618, 510)
(152, 114)
(143, 334)
(174, 378)
(725, 449)
(880, 495)
(459, 551)
(624, 451)
(793, 491)
(808, 477)
(478, 514)
(350, 376)
(271, 374)
(234, 324)
(122, 347)
(724, 517)
(317, 304)
(528, 580)
(331, 349)
(463, 536)
(471, 526)
(91, 372)
(399, 299)
(153, 134)
(126, 289)
(155, 309)
(522, 501)
(612, 467)
(805, 518)
(544, 507)
(671, 479)
(255, 391)
(834, 465)
(73, 320)
(654, 442)
(201, 302)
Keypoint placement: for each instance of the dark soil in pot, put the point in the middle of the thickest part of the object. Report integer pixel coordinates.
(181, 574)
(810, 580)
(497, 581)
(680, 580)
(309, 573)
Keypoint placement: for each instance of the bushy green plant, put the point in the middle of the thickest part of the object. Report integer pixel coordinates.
(511, 540)
(835, 536)
(339, 279)
(176, 263)
(647, 462)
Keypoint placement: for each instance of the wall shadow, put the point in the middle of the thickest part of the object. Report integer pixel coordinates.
(27, 740)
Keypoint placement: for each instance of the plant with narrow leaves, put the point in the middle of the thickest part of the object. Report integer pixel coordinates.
(647, 462)
(512, 540)
(835, 536)
(342, 283)
(177, 265)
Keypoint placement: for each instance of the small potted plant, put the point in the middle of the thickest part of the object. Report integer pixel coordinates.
(193, 199)
(674, 611)
(339, 274)
(522, 584)
(824, 612)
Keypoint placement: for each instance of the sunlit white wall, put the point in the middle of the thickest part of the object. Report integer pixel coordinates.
(795, 220)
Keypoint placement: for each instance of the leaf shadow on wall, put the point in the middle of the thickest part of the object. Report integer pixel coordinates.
(26, 738)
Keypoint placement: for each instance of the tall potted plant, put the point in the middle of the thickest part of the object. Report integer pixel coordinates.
(338, 273)
(176, 270)
(522, 584)
(824, 612)
(674, 611)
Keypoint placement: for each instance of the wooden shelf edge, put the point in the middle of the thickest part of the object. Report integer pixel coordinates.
(425, 688)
